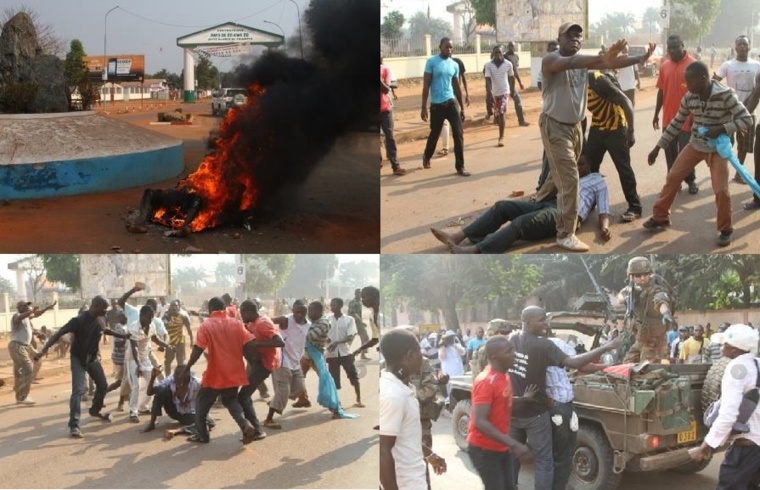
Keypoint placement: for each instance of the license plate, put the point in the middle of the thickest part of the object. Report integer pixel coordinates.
(689, 435)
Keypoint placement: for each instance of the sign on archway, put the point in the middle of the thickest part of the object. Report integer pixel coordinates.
(228, 39)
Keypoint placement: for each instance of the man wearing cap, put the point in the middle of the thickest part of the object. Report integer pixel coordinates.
(650, 312)
(21, 349)
(741, 466)
(565, 81)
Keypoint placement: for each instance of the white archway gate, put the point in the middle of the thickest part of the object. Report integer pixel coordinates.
(223, 40)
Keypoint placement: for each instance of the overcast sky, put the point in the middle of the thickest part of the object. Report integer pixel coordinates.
(152, 27)
(597, 8)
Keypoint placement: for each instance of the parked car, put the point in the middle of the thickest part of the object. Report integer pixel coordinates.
(651, 67)
(225, 99)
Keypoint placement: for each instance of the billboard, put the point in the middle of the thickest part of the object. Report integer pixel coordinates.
(114, 274)
(537, 20)
(121, 68)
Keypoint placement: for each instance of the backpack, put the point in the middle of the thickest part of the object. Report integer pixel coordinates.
(746, 408)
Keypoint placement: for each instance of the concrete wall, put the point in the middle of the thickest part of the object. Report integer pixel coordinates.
(414, 66)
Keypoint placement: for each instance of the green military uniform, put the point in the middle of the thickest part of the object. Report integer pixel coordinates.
(646, 324)
(427, 387)
(497, 326)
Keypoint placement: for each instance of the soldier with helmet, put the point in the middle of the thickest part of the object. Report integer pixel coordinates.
(649, 302)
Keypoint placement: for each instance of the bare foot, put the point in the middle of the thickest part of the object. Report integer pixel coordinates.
(169, 435)
(447, 239)
(606, 234)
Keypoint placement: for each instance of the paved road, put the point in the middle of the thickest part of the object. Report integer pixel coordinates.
(461, 473)
(438, 197)
(312, 452)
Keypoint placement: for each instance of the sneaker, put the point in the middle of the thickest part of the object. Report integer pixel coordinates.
(724, 239)
(751, 205)
(693, 188)
(399, 171)
(26, 401)
(271, 424)
(443, 152)
(630, 215)
(134, 418)
(463, 173)
(653, 225)
(500, 143)
(75, 433)
(571, 242)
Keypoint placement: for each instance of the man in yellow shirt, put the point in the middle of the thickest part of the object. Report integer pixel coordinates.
(694, 349)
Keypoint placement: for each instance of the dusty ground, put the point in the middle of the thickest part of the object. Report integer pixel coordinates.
(311, 218)
(438, 197)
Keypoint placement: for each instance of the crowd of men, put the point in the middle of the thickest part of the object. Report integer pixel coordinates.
(522, 398)
(242, 346)
(689, 96)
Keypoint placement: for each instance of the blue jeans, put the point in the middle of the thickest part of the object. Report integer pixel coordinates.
(527, 221)
(538, 433)
(563, 444)
(79, 388)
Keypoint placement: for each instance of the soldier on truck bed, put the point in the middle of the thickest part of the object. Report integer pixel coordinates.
(649, 313)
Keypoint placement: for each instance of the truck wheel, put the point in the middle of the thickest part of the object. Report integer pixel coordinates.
(711, 386)
(460, 423)
(692, 466)
(592, 462)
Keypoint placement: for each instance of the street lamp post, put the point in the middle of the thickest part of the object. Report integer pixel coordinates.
(278, 26)
(105, 38)
(300, 34)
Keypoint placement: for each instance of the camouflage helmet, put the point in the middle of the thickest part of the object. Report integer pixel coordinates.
(639, 265)
(496, 326)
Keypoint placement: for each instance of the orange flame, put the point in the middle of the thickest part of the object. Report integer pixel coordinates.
(223, 178)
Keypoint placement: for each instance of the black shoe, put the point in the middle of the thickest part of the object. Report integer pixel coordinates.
(724, 239)
(524, 123)
(399, 171)
(463, 173)
(751, 206)
(693, 188)
(653, 225)
(306, 404)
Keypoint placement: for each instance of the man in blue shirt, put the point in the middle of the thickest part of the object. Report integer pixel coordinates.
(474, 344)
(441, 84)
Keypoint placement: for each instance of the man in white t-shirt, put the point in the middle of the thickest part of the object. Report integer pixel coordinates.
(741, 74)
(288, 379)
(402, 456)
(628, 78)
(341, 334)
(499, 76)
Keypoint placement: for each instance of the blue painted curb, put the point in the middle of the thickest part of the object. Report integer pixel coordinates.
(90, 175)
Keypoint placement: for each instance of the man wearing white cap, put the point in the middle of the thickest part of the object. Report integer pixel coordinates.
(565, 80)
(741, 466)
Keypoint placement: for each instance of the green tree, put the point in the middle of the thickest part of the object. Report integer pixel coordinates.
(73, 65)
(266, 273)
(63, 268)
(420, 24)
(225, 274)
(692, 19)
(393, 24)
(614, 25)
(6, 286)
(205, 72)
(189, 279)
(485, 11)
(650, 22)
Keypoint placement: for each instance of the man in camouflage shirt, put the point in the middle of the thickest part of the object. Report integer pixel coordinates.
(652, 312)
(497, 326)
(316, 336)
(427, 383)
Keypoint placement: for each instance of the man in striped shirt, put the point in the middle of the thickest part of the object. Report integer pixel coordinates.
(718, 109)
(176, 323)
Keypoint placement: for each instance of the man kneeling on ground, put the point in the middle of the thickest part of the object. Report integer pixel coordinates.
(175, 395)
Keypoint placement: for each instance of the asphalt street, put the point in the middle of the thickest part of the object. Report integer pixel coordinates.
(312, 451)
(411, 204)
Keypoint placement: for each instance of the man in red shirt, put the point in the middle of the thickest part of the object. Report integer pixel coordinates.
(226, 342)
(491, 448)
(672, 87)
(268, 343)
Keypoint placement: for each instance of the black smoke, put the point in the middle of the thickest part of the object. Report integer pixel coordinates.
(307, 104)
